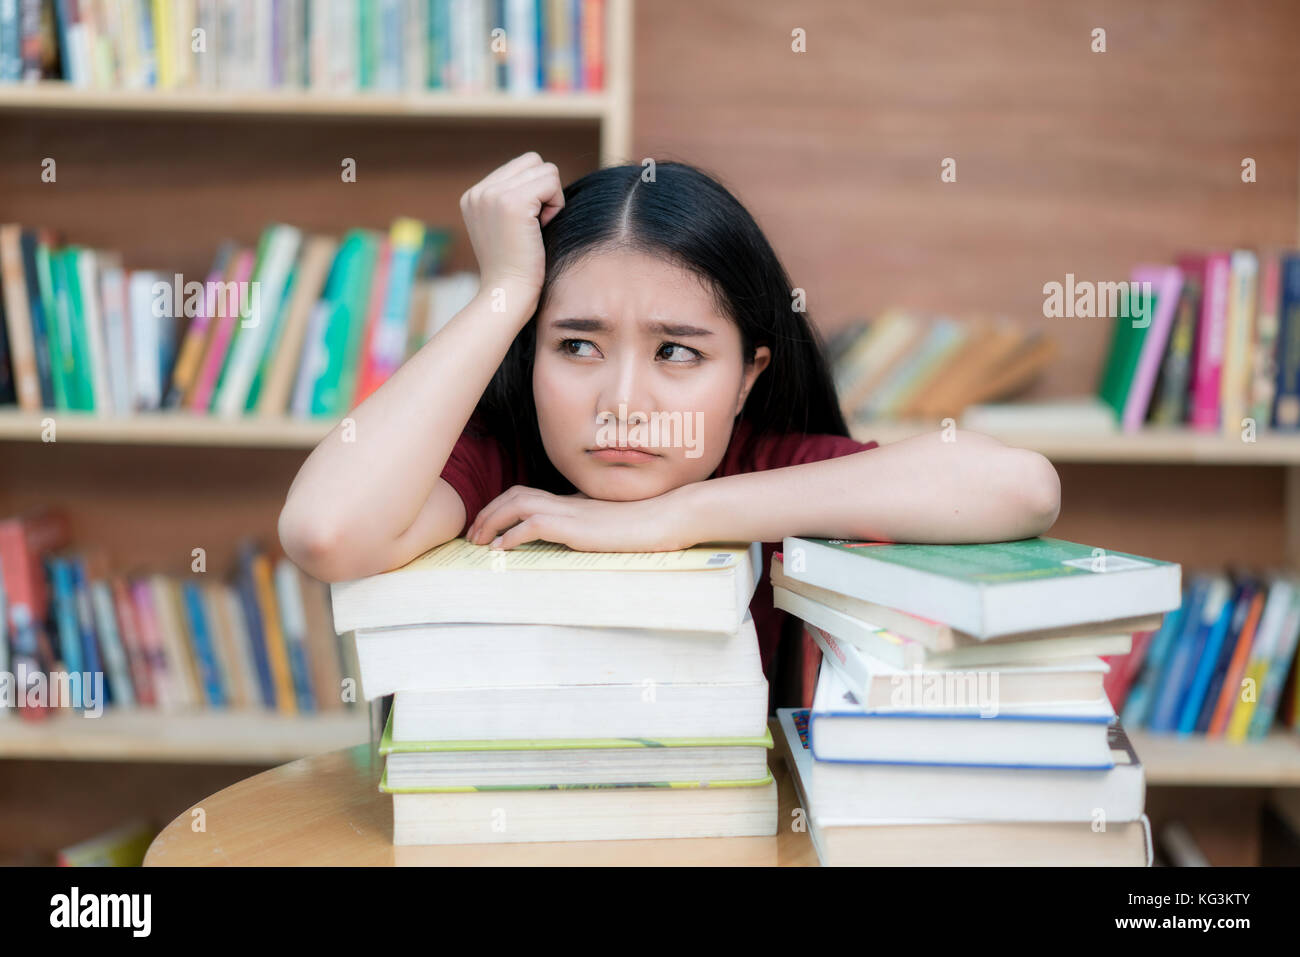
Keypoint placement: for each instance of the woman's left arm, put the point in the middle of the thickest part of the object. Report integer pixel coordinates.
(953, 487)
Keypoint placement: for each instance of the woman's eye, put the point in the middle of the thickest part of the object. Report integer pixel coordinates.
(567, 346)
(692, 356)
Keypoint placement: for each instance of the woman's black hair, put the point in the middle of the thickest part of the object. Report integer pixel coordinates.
(687, 216)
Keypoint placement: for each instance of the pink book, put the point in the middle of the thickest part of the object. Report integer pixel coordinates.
(151, 641)
(1166, 284)
(1210, 331)
(221, 339)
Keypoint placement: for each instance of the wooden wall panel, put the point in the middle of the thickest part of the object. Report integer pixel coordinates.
(1067, 160)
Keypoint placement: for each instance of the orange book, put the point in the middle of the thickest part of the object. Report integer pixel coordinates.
(277, 654)
(1236, 668)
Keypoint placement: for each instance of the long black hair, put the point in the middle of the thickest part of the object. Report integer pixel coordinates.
(687, 216)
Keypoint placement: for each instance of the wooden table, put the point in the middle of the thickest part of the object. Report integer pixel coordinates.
(328, 810)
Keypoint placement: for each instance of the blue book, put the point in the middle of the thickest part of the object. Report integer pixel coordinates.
(1138, 704)
(1239, 613)
(86, 625)
(1173, 678)
(253, 617)
(1071, 735)
(1202, 669)
(65, 620)
(541, 44)
(201, 638)
(1286, 398)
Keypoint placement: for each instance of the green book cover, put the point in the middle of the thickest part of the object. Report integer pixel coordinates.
(80, 390)
(1126, 343)
(993, 563)
(334, 334)
(388, 746)
(57, 339)
(347, 328)
(259, 262)
(674, 785)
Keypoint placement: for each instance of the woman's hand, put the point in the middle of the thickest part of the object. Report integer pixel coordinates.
(504, 214)
(658, 524)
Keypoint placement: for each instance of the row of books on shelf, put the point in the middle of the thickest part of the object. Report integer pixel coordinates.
(264, 639)
(518, 47)
(300, 325)
(1223, 665)
(901, 366)
(632, 703)
(1208, 342)
(958, 713)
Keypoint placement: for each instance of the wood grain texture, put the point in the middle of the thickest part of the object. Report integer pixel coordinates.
(1067, 160)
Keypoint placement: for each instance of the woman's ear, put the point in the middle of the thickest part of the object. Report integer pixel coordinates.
(762, 356)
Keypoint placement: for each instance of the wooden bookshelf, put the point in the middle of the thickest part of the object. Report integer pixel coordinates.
(234, 737)
(609, 109)
(1195, 761)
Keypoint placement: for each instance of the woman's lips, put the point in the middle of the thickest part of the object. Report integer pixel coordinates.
(622, 455)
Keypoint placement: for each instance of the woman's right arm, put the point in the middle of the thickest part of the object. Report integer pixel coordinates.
(370, 496)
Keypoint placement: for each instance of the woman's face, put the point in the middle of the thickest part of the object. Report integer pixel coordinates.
(631, 354)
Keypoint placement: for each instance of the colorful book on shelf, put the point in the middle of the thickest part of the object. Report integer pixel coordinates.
(1262, 370)
(1215, 270)
(1166, 283)
(1238, 335)
(1236, 670)
(1209, 605)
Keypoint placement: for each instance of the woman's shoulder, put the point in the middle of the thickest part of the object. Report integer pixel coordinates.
(757, 451)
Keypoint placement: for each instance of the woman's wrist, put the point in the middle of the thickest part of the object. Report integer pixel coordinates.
(508, 297)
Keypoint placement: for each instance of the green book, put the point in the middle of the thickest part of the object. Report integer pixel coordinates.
(463, 789)
(346, 326)
(273, 339)
(259, 262)
(990, 589)
(1126, 342)
(77, 364)
(57, 336)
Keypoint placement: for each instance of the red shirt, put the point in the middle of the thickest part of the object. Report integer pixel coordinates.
(476, 469)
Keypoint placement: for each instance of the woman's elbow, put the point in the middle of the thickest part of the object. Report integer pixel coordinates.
(312, 546)
(1037, 491)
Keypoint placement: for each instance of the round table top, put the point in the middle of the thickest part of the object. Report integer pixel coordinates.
(327, 810)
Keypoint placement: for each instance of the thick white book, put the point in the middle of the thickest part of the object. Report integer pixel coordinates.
(706, 588)
(876, 684)
(458, 655)
(642, 710)
(850, 795)
(903, 841)
(1071, 735)
(526, 815)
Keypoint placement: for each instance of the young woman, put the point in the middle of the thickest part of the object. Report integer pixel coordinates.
(633, 297)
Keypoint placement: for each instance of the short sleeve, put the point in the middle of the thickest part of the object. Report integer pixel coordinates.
(476, 469)
(797, 448)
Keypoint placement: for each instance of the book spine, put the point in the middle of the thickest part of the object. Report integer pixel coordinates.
(1286, 400)
(90, 639)
(132, 644)
(1238, 332)
(1209, 353)
(276, 651)
(1279, 666)
(253, 621)
(1263, 364)
(203, 650)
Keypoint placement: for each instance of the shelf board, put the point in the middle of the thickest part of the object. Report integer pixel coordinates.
(167, 428)
(1175, 446)
(197, 737)
(431, 104)
(1170, 759)
(1151, 446)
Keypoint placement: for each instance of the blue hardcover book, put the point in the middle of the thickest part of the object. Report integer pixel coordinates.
(1138, 704)
(1058, 735)
(1286, 398)
(65, 620)
(1173, 679)
(89, 633)
(1202, 670)
(253, 616)
(541, 44)
(204, 653)
(1240, 610)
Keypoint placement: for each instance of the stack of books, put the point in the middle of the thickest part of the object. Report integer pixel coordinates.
(544, 694)
(74, 633)
(300, 325)
(959, 715)
(336, 46)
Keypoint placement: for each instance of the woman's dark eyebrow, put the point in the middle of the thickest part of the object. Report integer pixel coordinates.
(677, 329)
